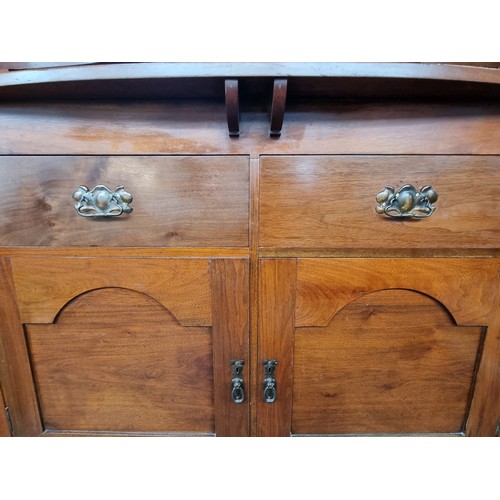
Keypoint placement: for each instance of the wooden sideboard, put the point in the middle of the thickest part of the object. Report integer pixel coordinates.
(313, 249)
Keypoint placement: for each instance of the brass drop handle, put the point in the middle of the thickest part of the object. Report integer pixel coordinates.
(407, 202)
(102, 202)
(237, 384)
(269, 386)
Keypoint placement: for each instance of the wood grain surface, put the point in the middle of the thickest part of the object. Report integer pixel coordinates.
(207, 252)
(249, 248)
(484, 418)
(16, 377)
(255, 370)
(117, 360)
(277, 282)
(45, 285)
(181, 127)
(330, 201)
(325, 286)
(4, 423)
(390, 362)
(230, 330)
(178, 201)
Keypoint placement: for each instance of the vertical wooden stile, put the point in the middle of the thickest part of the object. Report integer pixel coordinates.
(230, 342)
(484, 413)
(15, 371)
(277, 287)
(4, 422)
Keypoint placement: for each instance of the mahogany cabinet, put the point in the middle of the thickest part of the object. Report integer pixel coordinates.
(250, 250)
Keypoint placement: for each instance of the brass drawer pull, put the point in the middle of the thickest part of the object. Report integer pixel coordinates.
(102, 202)
(407, 202)
(237, 385)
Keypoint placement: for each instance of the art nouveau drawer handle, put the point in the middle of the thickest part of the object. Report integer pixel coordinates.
(102, 202)
(407, 201)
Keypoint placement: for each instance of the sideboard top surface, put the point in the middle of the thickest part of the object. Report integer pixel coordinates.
(205, 80)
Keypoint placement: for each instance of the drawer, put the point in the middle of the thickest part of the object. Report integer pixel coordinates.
(329, 201)
(178, 201)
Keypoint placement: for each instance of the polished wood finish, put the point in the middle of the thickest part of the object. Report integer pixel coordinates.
(178, 201)
(255, 373)
(152, 71)
(230, 313)
(15, 370)
(378, 346)
(190, 127)
(45, 285)
(330, 201)
(249, 248)
(484, 418)
(325, 286)
(117, 360)
(151, 314)
(276, 328)
(4, 423)
(390, 362)
(376, 252)
(232, 108)
(278, 107)
(124, 252)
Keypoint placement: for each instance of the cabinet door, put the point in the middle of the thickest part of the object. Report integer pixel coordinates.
(380, 346)
(127, 346)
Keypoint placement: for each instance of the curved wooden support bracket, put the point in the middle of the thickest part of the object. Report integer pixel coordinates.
(232, 107)
(278, 107)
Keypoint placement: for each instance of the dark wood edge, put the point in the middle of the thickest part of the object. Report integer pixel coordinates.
(328, 252)
(278, 107)
(232, 107)
(23, 66)
(124, 71)
(66, 433)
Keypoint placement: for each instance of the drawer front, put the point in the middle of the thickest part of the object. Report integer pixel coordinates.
(330, 201)
(190, 201)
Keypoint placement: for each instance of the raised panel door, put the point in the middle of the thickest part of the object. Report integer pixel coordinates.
(380, 346)
(130, 346)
